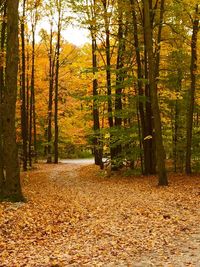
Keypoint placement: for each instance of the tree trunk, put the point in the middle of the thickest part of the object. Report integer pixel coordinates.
(120, 73)
(11, 186)
(30, 124)
(108, 82)
(191, 92)
(160, 152)
(98, 153)
(23, 94)
(27, 99)
(50, 104)
(56, 84)
(149, 142)
(108, 66)
(140, 76)
(2, 85)
(33, 96)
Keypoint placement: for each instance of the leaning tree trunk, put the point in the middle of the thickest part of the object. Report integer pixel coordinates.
(160, 152)
(11, 186)
(191, 92)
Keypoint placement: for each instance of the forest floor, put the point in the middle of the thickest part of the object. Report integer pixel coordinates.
(76, 216)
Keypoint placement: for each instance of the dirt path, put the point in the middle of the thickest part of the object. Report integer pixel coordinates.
(75, 216)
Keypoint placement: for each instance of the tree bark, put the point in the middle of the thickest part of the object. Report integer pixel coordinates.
(120, 74)
(108, 65)
(2, 84)
(108, 81)
(140, 76)
(191, 92)
(24, 127)
(96, 125)
(56, 84)
(160, 152)
(50, 104)
(32, 128)
(11, 186)
(150, 155)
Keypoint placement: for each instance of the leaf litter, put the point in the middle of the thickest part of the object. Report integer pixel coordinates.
(76, 216)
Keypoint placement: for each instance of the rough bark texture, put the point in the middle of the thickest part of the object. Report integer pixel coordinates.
(160, 152)
(11, 186)
(191, 92)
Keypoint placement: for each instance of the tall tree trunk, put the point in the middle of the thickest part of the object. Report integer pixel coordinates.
(150, 155)
(2, 85)
(160, 152)
(98, 153)
(191, 92)
(108, 66)
(31, 106)
(56, 84)
(23, 93)
(140, 76)
(50, 104)
(11, 186)
(30, 124)
(119, 69)
(27, 98)
(33, 85)
(32, 111)
(145, 111)
(120, 73)
(108, 81)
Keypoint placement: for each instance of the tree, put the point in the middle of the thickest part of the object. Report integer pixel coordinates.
(96, 124)
(24, 126)
(2, 85)
(11, 188)
(57, 67)
(50, 100)
(191, 92)
(145, 111)
(160, 152)
(119, 84)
